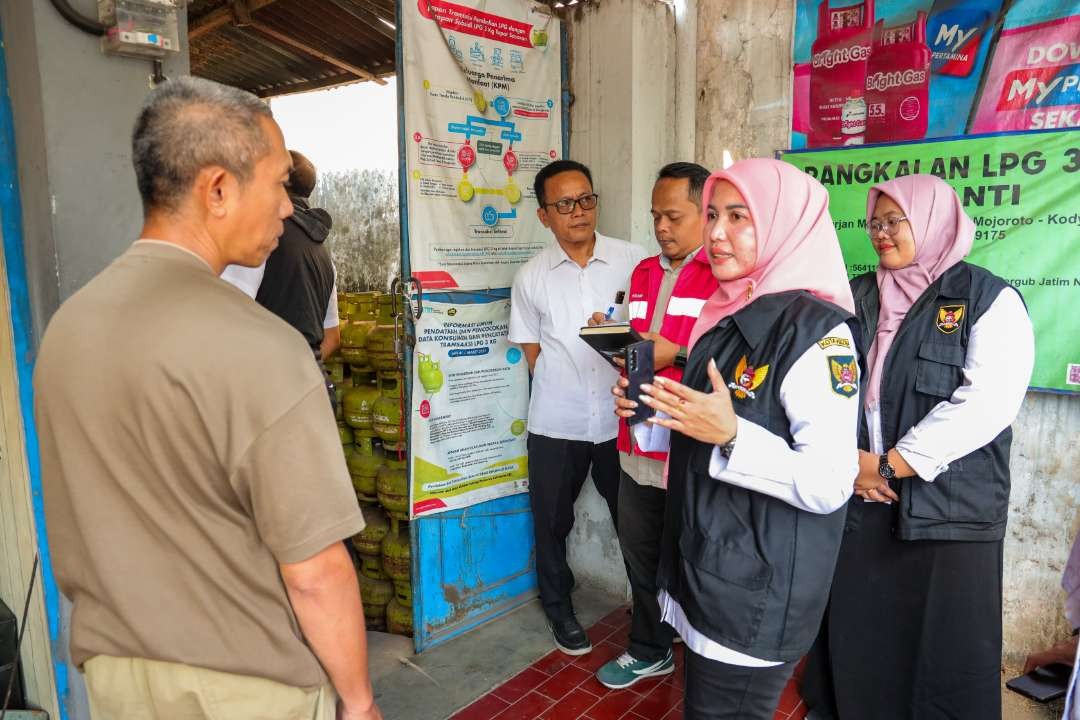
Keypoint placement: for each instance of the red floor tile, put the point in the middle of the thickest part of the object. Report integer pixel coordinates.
(675, 714)
(527, 708)
(600, 632)
(617, 618)
(553, 662)
(593, 685)
(614, 706)
(571, 707)
(659, 702)
(518, 686)
(562, 683)
(485, 708)
(562, 687)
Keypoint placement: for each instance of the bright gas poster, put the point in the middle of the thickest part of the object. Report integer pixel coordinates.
(1020, 189)
(482, 115)
(902, 70)
(470, 400)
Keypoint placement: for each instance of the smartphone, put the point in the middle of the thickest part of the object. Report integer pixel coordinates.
(1043, 684)
(639, 369)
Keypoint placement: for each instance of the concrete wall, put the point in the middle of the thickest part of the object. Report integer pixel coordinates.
(73, 111)
(623, 78)
(74, 108)
(744, 106)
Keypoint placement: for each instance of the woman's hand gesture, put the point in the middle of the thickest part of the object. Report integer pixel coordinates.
(707, 417)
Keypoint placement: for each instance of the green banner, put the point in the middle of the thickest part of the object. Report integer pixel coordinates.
(1023, 192)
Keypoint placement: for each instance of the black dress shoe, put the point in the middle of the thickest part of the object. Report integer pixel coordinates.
(570, 637)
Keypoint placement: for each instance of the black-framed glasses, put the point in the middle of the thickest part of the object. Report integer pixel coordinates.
(566, 205)
(890, 226)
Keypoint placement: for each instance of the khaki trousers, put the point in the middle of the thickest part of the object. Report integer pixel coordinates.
(138, 689)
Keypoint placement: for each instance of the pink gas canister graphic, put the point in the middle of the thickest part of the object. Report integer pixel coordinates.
(898, 82)
(837, 71)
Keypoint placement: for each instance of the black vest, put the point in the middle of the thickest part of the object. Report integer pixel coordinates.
(970, 500)
(300, 275)
(750, 571)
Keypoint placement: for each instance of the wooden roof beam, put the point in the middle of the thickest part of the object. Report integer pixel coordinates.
(314, 52)
(223, 16)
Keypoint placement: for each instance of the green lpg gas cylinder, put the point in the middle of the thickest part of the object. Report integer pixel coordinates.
(371, 566)
(376, 595)
(359, 400)
(380, 341)
(397, 551)
(392, 487)
(403, 591)
(387, 410)
(369, 540)
(346, 434)
(335, 369)
(399, 618)
(354, 341)
(364, 463)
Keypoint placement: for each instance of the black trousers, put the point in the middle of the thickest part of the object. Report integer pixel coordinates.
(641, 524)
(718, 691)
(557, 472)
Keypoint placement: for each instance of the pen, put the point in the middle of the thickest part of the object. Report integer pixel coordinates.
(611, 308)
(610, 312)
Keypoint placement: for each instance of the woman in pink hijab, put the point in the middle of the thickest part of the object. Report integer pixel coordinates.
(914, 623)
(762, 439)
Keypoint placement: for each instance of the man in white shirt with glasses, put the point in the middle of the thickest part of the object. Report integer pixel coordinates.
(571, 427)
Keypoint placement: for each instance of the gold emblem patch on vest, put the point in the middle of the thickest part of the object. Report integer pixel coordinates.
(747, 379)
(827, 342)
(949, 318)
(844, 372)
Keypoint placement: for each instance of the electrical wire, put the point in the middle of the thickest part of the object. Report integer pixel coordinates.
(87, 25)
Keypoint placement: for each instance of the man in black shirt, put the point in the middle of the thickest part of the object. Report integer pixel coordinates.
(297, 282)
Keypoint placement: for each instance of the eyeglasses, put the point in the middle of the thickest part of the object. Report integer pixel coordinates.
(566, 205)
(890, 226)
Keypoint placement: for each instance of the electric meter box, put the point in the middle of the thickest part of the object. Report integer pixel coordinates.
(141, 28)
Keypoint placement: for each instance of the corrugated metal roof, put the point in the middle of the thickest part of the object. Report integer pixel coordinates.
(275, 47)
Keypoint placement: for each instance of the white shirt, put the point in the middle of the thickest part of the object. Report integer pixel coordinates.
(997, 369)
(815, 473)
(249, 279)
(551, 300)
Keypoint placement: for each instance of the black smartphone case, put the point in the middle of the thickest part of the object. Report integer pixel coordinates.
(639, 369)
(1043, 684)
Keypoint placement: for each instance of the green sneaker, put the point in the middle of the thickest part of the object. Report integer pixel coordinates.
(624, 671)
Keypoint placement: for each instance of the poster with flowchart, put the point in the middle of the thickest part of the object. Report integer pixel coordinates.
(482, 116)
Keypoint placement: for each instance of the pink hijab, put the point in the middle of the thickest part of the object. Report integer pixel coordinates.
(797, 248)
(943, 235)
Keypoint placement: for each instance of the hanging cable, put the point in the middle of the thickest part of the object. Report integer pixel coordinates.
(87, 25)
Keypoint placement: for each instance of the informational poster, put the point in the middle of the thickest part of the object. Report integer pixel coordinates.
(1034, 79)
(483, 115)
(1020, 189)
(470, 401)
(880, 71)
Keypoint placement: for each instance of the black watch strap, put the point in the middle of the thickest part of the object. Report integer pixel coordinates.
(680, 357)
(885, 468)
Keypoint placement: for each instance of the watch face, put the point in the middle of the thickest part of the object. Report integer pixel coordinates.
(886, 471)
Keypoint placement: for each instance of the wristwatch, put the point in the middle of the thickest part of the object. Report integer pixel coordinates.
(727, 448)
(885, 469)
(680, 357)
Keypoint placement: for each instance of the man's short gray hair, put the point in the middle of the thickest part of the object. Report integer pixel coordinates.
(188, 124)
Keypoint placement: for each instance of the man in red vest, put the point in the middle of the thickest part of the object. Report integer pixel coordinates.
(667, 292)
